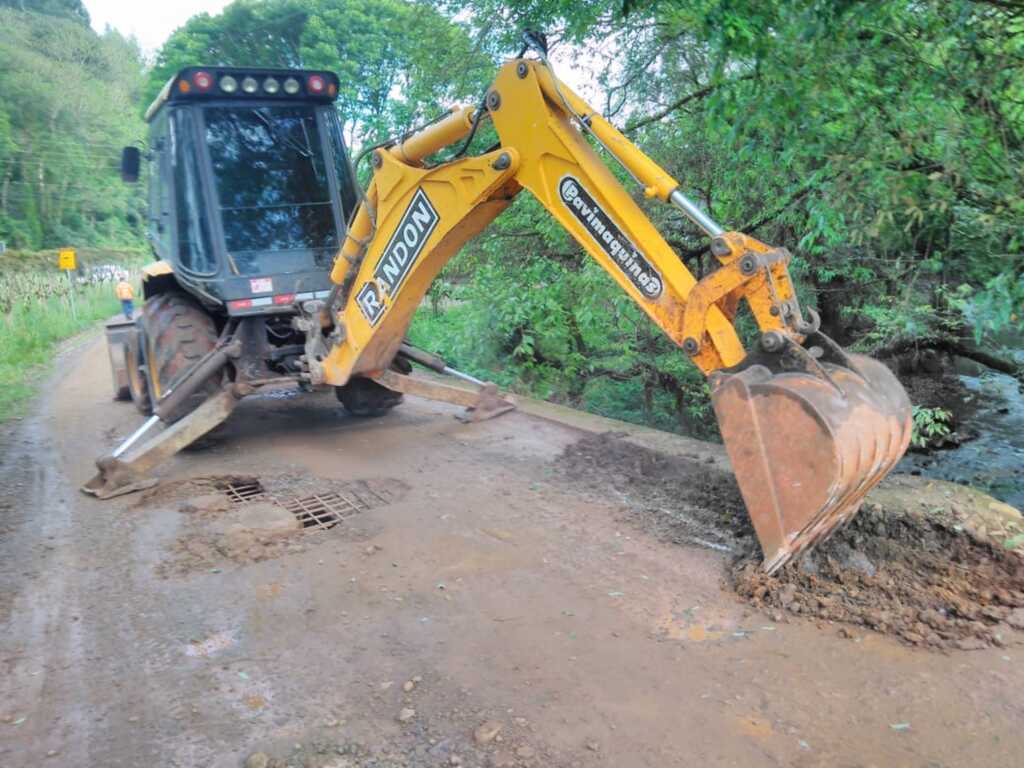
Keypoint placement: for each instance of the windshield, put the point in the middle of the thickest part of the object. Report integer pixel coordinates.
(272, 187)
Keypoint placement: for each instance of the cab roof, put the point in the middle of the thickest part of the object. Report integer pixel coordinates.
(246, 83)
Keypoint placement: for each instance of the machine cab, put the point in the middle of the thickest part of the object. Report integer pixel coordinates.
(250, 184)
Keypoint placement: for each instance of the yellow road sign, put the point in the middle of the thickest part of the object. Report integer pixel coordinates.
(66, 258)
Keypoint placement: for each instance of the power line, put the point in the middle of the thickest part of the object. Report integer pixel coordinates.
(69, 148)
(52, 182)
(81, 143)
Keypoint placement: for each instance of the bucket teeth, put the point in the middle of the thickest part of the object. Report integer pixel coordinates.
(806, 449)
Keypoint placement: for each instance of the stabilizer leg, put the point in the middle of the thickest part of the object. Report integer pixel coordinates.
(129, 472)
(485, 403)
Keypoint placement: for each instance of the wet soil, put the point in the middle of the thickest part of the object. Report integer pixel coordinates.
(940, 390)
(211, 505)
(917, 578)
(926, 576)
(684, 499)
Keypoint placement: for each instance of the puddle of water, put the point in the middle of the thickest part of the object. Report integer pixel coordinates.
(994, 461)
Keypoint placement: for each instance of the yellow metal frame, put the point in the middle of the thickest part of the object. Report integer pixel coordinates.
(540, 146)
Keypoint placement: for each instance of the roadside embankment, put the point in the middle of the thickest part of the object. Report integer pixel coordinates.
(40, 307)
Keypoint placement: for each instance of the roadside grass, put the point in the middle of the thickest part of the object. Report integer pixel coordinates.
(45, 262)
(36, 320)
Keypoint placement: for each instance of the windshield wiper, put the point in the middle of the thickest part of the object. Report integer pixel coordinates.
(276, 135)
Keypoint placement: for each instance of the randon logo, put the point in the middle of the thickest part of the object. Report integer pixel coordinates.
(417, 224)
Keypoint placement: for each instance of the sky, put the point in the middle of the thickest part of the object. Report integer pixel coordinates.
(149, 21)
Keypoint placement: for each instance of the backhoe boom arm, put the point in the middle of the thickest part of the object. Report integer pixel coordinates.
(415, 218)
(809, 429)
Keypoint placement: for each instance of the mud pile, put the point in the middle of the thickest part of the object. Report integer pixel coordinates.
(912, 571)
(912, 576)
(683, 499)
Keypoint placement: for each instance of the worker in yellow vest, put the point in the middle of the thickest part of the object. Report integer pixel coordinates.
(126, 295)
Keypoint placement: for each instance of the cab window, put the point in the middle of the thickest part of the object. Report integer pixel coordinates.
(195, 253)
(272, 188)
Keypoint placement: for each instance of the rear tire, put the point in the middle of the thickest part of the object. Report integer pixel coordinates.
(123, 394)
(138, 389)
(177, 333)
(366, 398)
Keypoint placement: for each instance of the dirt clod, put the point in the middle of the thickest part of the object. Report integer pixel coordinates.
(486, 731)
(1016, 618)
(928, 575)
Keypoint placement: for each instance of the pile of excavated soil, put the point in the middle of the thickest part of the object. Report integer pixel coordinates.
(684, 499)
(918, 573)
(912, 576)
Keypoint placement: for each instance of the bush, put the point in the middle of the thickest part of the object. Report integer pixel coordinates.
(36, 314)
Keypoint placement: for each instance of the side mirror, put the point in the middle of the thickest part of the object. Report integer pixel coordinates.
(130, 160)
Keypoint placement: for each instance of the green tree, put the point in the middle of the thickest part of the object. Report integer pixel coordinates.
(398, 62)
(880, 142)
(64, 9)
(68, 104)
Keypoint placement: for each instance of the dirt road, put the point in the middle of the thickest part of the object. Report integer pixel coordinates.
(477, 609)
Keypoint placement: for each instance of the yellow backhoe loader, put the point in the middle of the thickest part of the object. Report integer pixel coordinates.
(809, 428)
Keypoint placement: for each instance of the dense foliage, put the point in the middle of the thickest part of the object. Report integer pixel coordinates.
(68, 103)
(37, 311)
(881, 142)
(397, 61)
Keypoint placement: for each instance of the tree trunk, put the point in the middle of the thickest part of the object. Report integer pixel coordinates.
(954, 347)
(830, 309)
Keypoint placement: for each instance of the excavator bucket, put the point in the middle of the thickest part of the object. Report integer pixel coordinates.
(806, 445)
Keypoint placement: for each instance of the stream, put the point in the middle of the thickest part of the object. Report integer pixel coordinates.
(994, 461)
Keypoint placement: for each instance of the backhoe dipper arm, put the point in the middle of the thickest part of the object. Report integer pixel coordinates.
(415, 218)
(809, 428)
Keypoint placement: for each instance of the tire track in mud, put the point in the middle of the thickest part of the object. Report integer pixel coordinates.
(43, 604)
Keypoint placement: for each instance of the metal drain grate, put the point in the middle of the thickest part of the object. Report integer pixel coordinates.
(321, 510)
(239, 493)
